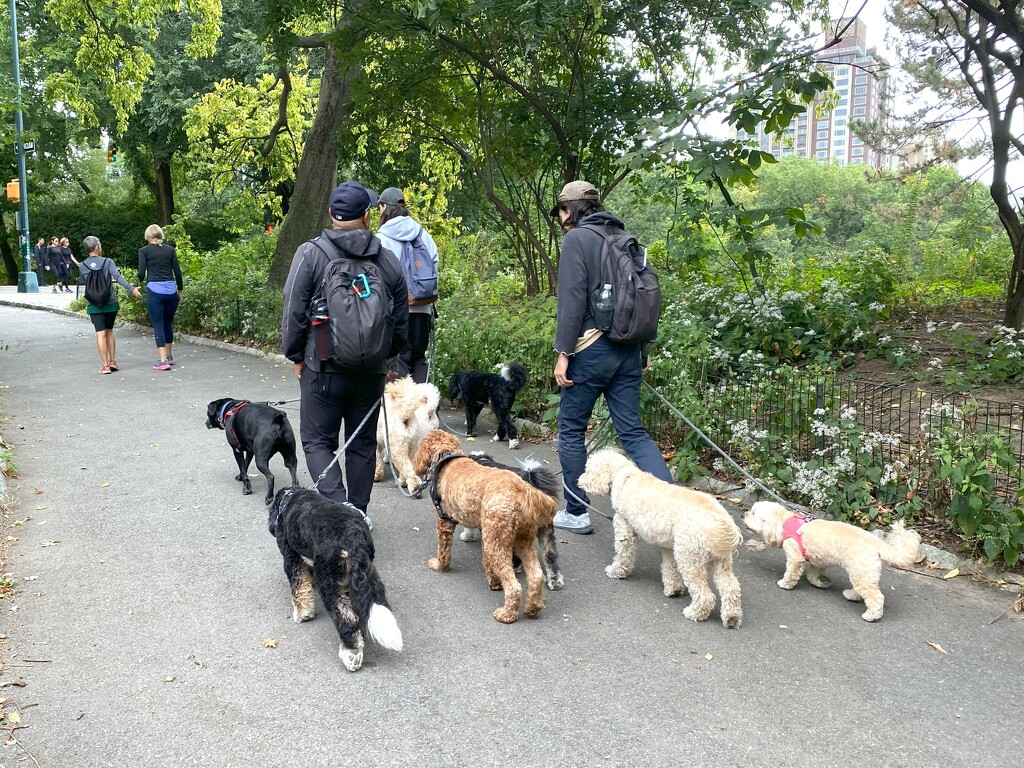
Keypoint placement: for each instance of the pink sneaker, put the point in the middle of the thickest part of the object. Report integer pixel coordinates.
(162, 365)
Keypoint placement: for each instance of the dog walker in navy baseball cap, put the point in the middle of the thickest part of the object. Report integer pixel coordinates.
(350, 200)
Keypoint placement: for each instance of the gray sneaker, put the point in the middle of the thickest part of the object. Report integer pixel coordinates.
(575, 523)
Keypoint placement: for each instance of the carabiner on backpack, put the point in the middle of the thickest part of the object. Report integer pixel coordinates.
(361, 286)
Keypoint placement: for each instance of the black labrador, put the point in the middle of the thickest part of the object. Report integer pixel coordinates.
(255, 431)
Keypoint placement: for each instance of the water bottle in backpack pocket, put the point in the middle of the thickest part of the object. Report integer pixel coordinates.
(604, 307)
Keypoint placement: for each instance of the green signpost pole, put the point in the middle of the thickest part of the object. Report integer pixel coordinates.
(27, 280)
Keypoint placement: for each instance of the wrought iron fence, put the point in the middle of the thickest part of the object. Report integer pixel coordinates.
(786, 406)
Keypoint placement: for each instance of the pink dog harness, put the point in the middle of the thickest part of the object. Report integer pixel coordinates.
(793, 529)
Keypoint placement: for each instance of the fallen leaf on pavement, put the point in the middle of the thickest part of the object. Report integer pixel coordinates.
(270, 643)
(169, 679)
(783, 626)
(933, 565)
(41, 506)
(937, 647)
(14, 717)
(952, 574)
(50, 543)
(38, 491)
(709, 657)
(736, 501)
(154, 445)
(80, 715)
(15, 683)
(106, 485)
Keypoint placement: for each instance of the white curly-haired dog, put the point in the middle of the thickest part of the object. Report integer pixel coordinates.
(696, 535)
(821, 543)
(411, 413)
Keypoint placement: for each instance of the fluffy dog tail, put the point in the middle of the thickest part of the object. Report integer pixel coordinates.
(721, 534)
(515, 374)
(383, 628)
(900, 547)
(541, 478)
(371, 605)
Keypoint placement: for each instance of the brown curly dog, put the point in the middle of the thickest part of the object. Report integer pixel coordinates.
(507, 510)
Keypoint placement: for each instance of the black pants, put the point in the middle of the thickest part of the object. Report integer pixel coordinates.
(414, 359)
(328, 399)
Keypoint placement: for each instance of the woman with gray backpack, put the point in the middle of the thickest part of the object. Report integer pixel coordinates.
(99, 274)
(401, 234)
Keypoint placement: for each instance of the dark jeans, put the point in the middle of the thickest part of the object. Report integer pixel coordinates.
(612, 370)
(414, 359)
(42, 274)
(162, 307)
(327, 400)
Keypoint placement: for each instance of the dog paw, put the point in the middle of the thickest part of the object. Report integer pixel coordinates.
(783, 584)
(247, 490)
(300, 615)
(616, 572)
(852, 595)
(352, 660)
(506, 617)
(731, 622)
(868, 616)
(532, 611)
(672, 591)
(693, 614)
(435, 565)
(556, 583)
(470, 534)
(494, 584)
(821, 582)
(513, 444)
(268, 500)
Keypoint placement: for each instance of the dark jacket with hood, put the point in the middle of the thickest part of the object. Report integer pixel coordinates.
(579, 277)
(304, 277)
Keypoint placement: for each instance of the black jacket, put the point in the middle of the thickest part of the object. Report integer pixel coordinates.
(158, 263)
(304, 277)
(579, 276)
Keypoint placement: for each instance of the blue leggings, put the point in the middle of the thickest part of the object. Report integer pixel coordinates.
(162, 307)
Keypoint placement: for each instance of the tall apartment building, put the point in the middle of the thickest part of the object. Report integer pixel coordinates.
(861, 82)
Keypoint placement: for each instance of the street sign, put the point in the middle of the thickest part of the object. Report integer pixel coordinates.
(30, 147)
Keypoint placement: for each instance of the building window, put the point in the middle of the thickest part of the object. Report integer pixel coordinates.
(840, 132)
(858, 150)
(838, 151)
(857, 161)
(860, 100)
(822, 134)
(857, 141)
(841, 121)
(844, 81)
(861, 79)
(823, 123)
(858, 110)
(860, 89)
(822, 154)
(840, 111)
(821, 144)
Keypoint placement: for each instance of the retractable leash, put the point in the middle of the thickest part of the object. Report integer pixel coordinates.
(723, 454)
(313, 487)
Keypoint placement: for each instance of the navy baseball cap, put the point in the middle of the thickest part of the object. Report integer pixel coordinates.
(350, 200)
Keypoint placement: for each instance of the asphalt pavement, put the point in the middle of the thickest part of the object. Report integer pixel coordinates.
(152, 620)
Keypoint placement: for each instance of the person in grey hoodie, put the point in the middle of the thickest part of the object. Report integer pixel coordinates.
(103, 316)
(397, 228)
(330, 393)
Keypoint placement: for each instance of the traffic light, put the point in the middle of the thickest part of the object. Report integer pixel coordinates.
(111, 154)
(14, 191)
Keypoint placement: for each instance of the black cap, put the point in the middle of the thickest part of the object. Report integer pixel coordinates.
(392, 196)
(350, 200)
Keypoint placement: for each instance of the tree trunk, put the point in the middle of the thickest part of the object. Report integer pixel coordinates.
(163, 190)
(10, 258)
(318, 168)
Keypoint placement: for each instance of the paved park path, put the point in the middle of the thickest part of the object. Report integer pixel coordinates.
(148, 587)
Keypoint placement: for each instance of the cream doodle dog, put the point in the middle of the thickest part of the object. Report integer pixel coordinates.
(821, 543)
(411, 413)
(696, 535)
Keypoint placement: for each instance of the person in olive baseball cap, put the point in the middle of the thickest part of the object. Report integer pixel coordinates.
(575, 190)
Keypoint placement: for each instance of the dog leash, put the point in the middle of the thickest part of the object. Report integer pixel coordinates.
(411, 493)
(313, 487)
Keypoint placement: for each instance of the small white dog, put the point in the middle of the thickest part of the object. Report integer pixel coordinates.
(697, 536)
(411, 413)
(821, 543)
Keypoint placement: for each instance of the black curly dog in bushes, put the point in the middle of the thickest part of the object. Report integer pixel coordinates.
(327, 548)
(476, 389)
(255, 430)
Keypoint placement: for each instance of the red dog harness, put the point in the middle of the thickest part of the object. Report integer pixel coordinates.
(793, 529)
(229, 415)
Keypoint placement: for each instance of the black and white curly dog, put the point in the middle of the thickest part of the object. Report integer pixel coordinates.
(545, 481)
(477, 389)
(327, 548)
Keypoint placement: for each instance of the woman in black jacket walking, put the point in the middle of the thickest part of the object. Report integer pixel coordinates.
(158, 268)
(55, 261)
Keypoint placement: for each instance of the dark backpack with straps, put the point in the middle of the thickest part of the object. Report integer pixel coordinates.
(99, 287)
(358, 308)
(636, 292)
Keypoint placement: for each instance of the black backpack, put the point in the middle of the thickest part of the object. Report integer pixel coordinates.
(358, 308)
(636, 292)
(99, 288)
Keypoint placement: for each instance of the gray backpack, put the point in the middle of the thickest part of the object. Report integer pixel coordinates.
(635, 289)
(358, 308)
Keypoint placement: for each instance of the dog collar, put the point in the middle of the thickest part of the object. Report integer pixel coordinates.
(435, 471)
(226, 413)
(793, 529)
